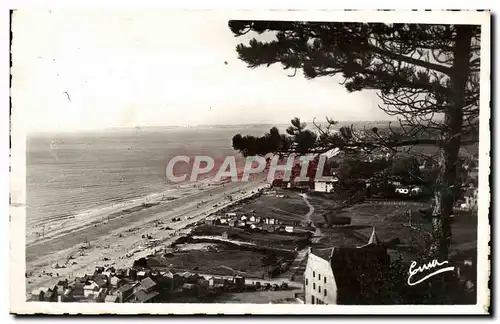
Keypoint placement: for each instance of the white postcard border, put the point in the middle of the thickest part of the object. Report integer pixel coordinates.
(18, 302)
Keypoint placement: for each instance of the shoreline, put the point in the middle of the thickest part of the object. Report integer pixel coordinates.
(123, 237)
(52, 227)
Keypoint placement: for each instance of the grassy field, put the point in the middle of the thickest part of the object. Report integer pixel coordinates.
(275, 240)
(291, 207)
(220, 261)
(391, 224)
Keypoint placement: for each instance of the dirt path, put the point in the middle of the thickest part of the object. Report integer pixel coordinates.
(311, 208)
(302, 254)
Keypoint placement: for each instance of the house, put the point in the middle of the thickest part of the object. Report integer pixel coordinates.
(230, 215)
(233, 223)
(402, 190)
(131, 273)
(346, 275)
(147, 284)
(243, 218)
(101, 280)
(281, 183)
(78, 291)
(415, 191)
(470, 197)
(101, 295)
(38, 294)
(188, 287)
(252, 219)
(52, 295)
(268, 228)
(125, 291)
(68, 294)
(289, 229)
(62, 285)
(210, 220)
(269, 221)
(144, 297)
(395, 181)
(215, 282)
(90, 289)
(202, 284)
(280, 228)
(239, 282)
(115, 282)
(325, 184)
(141, 275)
(189, 277)
(111, 299)
(85, 279)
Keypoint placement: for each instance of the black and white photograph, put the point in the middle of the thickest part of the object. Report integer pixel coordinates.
(266, 162)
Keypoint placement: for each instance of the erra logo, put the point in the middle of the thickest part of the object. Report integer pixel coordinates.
(414, 270)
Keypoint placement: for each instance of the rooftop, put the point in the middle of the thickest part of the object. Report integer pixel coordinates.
(148, 283)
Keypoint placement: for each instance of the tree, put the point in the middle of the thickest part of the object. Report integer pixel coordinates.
(427, 75)
(407, 168)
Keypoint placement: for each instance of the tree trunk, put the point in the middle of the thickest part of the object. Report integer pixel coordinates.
(446, 184)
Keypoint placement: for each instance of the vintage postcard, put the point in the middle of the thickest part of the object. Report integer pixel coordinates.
(250, 162)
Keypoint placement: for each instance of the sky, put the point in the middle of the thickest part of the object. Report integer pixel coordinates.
(86, 70)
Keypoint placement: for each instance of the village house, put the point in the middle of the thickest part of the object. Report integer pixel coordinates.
(268, 228)
(78, 290)
(210, 220)
(141, 275)
(147, 284)
(68, 294)
(115, 282)
(215, 282)
(402, 191)
(239, 282)
(38, 294)
(101, 295)
(470, 197)
(101, 280)
(346, 275)
(125, 291)
(90, 289)
(202, 285)
(144, 297)
(111, 299)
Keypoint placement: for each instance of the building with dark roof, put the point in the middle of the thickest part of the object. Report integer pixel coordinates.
(346, 275)
(142, 296)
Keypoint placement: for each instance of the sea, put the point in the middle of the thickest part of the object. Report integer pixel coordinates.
(85, 172)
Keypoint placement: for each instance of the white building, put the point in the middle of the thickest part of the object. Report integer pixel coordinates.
(325, 184)
(402, 191)
(344, 274)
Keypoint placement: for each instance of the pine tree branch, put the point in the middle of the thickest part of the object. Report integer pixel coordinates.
(410, 60)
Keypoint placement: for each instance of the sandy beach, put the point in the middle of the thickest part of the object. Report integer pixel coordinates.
(116, 238)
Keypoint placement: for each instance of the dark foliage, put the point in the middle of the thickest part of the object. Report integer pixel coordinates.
(427, 75)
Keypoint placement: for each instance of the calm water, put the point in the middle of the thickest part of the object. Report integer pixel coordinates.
(72, 173)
